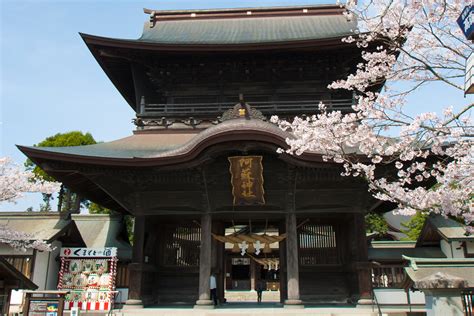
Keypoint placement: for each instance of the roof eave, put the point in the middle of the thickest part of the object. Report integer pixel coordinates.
(317, 44)
(130, 100)
(190, 153)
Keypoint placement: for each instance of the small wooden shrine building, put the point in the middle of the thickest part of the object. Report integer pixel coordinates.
(201, 170)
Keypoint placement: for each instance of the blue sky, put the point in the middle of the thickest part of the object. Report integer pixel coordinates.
(50, 82)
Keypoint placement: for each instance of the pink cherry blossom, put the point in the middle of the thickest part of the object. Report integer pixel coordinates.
(14, 181)
(411, 44)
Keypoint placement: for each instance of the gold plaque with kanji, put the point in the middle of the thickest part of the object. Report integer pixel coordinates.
(247, 180)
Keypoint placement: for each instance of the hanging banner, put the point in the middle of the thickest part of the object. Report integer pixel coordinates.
(247, 180)
(89, 252)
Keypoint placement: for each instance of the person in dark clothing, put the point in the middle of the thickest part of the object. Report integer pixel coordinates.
(213, 287)
(260, 287)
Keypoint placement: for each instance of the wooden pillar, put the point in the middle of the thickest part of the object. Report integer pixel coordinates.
(282, 251)
(292, 264)
(218, 259)
(136, 267)
(252, 275)
(205, 262)
(361, 264)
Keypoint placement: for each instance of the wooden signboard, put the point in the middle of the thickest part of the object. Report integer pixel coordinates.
(247, 180)
(44, 303)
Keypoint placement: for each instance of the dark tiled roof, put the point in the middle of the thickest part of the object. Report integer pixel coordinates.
(438, 227)
(41, 226)
(166, 145)
(140, 145)
(248, 30)
(163, 144)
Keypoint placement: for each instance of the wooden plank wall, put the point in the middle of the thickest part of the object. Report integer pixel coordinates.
(177, 275)
(321, 258)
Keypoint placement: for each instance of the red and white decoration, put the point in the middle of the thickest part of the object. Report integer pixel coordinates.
(88, 306)
(90, 276)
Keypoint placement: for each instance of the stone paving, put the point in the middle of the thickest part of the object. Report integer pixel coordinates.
(254, 309)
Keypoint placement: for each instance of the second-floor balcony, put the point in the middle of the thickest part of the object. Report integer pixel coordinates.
(216, 109)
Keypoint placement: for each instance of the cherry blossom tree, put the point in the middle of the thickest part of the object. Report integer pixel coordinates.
(421, 162)
(14, 182)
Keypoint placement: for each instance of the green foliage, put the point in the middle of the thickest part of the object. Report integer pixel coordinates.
(95, 208)
(74, 138)
(130, 223)
(46, 206)
(67, 200)
(375, 223)
(414, 225)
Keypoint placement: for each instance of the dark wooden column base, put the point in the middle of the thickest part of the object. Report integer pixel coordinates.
(204, 304)
(365, 286)
(139, 274)
(293, 304)
(133, 304)
(204, 300)
(292, 264)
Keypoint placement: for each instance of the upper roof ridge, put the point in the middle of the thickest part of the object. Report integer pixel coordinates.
(321, 9)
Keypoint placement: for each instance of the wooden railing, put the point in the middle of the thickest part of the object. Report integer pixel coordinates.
(216, 109)
(387, 276)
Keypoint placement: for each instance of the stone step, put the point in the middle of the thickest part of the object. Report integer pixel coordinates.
(244, 312)
(251, 296)
(263, 310)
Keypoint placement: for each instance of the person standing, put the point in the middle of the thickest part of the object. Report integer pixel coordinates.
(260, 287)
(213, 287)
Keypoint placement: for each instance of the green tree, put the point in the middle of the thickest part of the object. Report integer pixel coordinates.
(95, 208)
(414, 226)
(376, 223)
(74, 138)
(67, 200)
(130, 224)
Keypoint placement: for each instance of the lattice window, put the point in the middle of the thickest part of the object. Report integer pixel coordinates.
(182, 245)
(318, 245)
(21, 263)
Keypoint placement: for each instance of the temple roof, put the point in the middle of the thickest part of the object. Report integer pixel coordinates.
(41, 226)
(160, 149)
(168, 149)
(135, 146)
(437, 227)
(243, 27)
(248, 30)
(163, 145)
